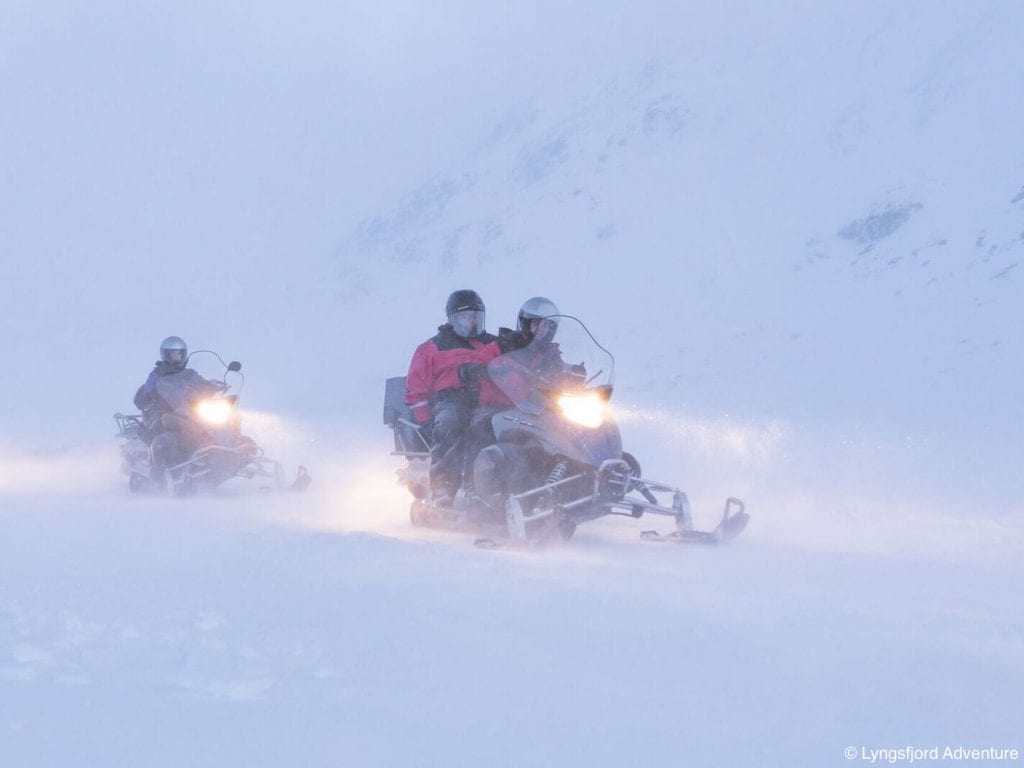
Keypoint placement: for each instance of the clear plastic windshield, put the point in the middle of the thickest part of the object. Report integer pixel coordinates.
(571, 360)
(180, 389)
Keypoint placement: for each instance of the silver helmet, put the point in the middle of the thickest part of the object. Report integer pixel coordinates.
(174, 351)
(542, 309)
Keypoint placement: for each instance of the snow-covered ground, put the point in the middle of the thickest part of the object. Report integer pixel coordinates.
(250, 630)
(798, 228)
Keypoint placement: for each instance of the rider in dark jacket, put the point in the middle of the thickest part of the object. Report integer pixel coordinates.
(537, 324)
(538, 355)
(163, 426)
(535, 331)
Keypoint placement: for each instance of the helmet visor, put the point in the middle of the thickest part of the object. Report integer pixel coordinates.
(175, 356)
(543, 328)
(467, 323)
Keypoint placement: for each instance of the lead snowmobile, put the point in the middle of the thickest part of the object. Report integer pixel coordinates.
(210, 446)
(558, 459)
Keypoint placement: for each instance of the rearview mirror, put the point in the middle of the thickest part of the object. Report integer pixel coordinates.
(234, 365)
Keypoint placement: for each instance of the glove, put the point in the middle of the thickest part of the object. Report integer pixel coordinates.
(471, 373)
(509, 340)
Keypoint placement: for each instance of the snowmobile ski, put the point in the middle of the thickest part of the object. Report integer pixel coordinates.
(734, 520)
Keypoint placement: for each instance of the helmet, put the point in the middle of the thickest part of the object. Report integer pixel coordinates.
(463, 299)
(466, 313)
(174, 351)
(539, 308)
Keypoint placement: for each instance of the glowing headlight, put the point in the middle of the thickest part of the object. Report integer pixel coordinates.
(214, 411)
(587, 410)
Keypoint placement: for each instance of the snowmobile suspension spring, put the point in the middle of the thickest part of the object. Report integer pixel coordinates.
(557, 473)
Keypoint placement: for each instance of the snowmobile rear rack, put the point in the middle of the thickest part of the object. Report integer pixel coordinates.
(130, 425)
(409, 438)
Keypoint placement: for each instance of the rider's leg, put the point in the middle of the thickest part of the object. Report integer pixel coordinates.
(448, 452)
(479, 435)
(163, 453)
(490, 477)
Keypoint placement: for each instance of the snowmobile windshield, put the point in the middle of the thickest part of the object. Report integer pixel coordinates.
(546, 368)
(180, 389)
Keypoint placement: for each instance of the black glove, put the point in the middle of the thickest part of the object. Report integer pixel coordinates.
(509, 340)
(471, 373)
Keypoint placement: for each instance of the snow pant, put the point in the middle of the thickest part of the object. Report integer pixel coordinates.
(479, 435)
(164, 452)
(460, 429)
(172, 445)
(506, 468)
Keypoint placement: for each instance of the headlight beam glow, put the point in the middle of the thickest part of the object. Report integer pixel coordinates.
(587, 410)
(214, 411)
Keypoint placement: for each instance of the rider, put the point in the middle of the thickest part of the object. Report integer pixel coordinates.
(163, 427)
(540, 354)
(536, 326)
(444, 388)
(537, 323)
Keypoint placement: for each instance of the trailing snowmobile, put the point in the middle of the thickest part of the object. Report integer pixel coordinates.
(209, 446)
(558, 460)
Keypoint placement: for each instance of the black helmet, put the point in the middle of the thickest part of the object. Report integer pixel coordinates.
(174, 351)
(463, 299)
(465, 310)
(539, 308)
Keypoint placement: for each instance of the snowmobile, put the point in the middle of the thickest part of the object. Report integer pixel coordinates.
(211, 448)
(558, 459)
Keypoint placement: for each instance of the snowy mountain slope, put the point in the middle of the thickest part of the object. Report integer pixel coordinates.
(797, 228)
(735, 250)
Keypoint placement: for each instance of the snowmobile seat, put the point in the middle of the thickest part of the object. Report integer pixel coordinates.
(398, 416)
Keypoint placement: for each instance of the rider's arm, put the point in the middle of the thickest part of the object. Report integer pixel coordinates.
(419, 383)
(144, 394)
(509, 340)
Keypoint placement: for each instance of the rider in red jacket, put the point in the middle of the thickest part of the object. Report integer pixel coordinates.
(450, 397)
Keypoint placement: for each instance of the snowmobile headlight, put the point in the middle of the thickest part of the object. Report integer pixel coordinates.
(586, 409)
(214, 411)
